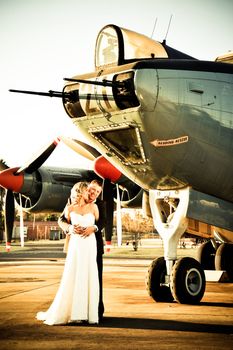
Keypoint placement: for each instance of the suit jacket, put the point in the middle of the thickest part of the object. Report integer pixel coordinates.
(63, 223)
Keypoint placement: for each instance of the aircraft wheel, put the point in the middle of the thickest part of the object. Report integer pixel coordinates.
(155, 276)
(224, 259)
(206, 255)
(187, 281)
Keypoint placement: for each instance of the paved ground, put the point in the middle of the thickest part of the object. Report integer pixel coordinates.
(132, 319)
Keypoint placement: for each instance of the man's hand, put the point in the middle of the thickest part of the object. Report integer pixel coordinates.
(75, 229)
(83, 231)
(87, 231)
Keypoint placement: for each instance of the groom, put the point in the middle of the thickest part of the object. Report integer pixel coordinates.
(94, 190)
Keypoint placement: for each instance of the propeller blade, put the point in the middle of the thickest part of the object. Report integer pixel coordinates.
(10, 181)
(118, 218)
(109, 200)
(81, 148)
(35, 163)
(21, 222)
(3, 165)
(9, 217)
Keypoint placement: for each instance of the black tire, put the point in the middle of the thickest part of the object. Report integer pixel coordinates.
(155, 276)
(187, 281)
(224, 259)
(206, 255)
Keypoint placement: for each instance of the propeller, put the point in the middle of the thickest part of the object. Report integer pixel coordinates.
(110, 175)
(3, 165)
(118, 218)
(13, 178)
(9, 217)
(81, 148)
(109, 201)
(39, 159)
(8, 203)
(21, 222)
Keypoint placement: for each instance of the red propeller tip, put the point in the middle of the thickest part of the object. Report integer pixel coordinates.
(10, 181)
(57, 140)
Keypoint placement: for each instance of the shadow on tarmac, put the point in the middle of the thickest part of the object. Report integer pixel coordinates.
(204, 303)
(143, 323)
(133, 323)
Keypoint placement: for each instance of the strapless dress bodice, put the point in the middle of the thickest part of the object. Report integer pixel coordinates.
(84, 220)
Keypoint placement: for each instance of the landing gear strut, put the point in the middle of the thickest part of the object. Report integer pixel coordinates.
(169, 278)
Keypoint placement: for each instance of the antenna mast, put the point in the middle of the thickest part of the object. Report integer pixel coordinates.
(168, 29)
(154, 27)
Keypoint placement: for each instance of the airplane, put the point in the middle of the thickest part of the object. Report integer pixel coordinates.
(158, 122)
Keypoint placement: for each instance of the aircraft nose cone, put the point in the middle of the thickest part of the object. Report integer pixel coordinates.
(10, 181)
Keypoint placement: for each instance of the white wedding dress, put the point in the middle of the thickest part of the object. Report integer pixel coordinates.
(77, 297)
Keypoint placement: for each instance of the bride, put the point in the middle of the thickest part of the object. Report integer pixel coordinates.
(77, 297)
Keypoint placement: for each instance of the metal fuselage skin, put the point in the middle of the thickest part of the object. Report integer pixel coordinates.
(180, 133)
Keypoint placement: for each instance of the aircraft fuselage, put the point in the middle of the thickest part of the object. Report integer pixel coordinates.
(170, 126)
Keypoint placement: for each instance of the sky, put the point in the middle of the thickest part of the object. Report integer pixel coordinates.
(43, 41)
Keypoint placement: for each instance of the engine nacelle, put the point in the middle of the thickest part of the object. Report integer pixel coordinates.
(47, 189)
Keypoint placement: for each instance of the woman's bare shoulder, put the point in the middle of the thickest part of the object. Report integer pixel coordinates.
(70, 207)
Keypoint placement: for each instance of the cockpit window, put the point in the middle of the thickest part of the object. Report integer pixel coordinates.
(140, 46)
(117, 46)
(107, 49)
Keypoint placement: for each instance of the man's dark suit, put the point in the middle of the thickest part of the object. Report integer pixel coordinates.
(62, 222)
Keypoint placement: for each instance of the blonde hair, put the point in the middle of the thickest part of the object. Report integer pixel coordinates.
(79, 188)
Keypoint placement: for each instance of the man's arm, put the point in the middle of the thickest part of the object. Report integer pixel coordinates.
(63, 223)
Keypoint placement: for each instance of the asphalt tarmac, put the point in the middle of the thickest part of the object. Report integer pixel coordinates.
(132, 319)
